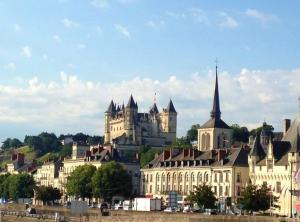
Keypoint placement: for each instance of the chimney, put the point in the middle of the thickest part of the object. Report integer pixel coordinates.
(286, 125)
(221, 154)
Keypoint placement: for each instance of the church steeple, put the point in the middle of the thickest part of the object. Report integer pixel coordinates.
(216, 113)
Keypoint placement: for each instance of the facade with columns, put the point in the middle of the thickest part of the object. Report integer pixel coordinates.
(274, 160)
(213, 163)
(125, 125)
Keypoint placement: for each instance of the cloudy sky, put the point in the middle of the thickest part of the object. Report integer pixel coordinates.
(62, 61)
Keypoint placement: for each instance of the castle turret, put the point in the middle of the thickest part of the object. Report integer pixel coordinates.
(109, 113)
(169, 121)
(131, 118)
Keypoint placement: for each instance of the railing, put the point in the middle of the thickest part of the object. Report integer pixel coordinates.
(38, 216)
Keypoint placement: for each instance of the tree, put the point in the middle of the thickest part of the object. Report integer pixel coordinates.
(11, 143)
(181, 143)
(47, 194)
(256, 198)
(95, 140)
(203, 196)
(111, 179)
(79, 183)
(192, 133)
(20, 186)
(146, 154)
(259, 129)
(80, 137)
(240, 134)
(65, 151)
(4, 185)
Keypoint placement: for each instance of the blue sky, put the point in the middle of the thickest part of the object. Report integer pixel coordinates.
(63, 55)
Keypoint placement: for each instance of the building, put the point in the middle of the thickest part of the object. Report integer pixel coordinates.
(225, 170)
(20, 165)
(214, 163)
(215, 133)
(275, 161)
(125, 125)
(47, 174)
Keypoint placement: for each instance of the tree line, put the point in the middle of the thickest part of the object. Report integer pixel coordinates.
(105, 182)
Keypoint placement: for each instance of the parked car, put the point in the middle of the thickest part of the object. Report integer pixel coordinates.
(170, 209)
(187, 209)
(210, 212)
(118, 206)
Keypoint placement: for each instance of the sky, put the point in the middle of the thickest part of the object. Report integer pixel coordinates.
(62, 61)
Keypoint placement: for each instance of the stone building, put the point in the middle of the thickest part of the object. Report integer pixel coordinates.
(214, 163)
(125, 125)
(275, 161)
(215, 133)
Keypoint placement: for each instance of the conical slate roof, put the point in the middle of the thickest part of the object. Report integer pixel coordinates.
(111, 108)
(154, 109)
(257, 149)
(170, 107)
(131, 103)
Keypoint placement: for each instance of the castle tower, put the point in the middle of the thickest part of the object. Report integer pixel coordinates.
(215, 133)
(131, 118)
(169, 122)
(109, 113)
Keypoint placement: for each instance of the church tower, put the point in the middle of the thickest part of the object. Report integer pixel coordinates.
(215, 133)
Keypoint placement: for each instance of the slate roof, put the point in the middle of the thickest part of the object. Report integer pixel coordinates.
(230, 157)
(154, 109)
(215, 123)
(131, 103)
(170, 107)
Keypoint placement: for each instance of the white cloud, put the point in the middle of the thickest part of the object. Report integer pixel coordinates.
(11, 66)
(26, 52)
(155, 24)
(69, 23)
(199, 16)
(123, 30)
(17, 27)
(176, 15)
(99, 3)
(73, 105)
(56, 38)
(227, 21)
(81, 46)
(253, 13)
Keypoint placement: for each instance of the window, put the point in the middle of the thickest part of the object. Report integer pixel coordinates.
(226, 191)
(157, 187)
(207, 141)
(203, 141)
(238, 191)
(151, 178)
(278, 187)
(193, 177)
(150, 190)
(163, 178)
(221, 177)
(216, 176)
(226, 176)
(206, 178)
(270, 164)
(186, 177)
(215, 189)
(238, 177)
(220, 191)
(157, 178)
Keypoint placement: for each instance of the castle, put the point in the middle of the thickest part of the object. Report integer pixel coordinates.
(125, 125)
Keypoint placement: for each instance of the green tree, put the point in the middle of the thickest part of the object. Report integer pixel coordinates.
(240, 134)
(111, 179)
(256, 198)
(95, 140)
(66, 150)
(4, 185)
(47, 194)
(146, 154)
(11, 143)
(80, 137)
(181, 143)
(192, 133)
(259, 129)
(203, 196)
(79, 183)
(20, 186)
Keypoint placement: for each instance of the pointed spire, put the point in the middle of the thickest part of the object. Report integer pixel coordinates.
(111, 108)
(216, 113)
(123, 107)
(170, 107)
(131, 103)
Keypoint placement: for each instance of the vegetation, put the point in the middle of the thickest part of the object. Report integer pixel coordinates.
(203, 196)
(146, 154)
(47, 194)
(256, 198)
(16, 186)
(259, 129)
(79, 182)
(11, 143)
(240, 134)
(192, 133)
(111, 179)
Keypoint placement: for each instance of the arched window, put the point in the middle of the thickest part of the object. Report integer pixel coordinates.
(180, 177)
(199, 178)
(203, 141)
(163, 177)
(193, 177)
(186, 177)
(207, 142)
(168, 178)
(157, 177)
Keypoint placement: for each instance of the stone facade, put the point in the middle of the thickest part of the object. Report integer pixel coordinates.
(125, 125)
